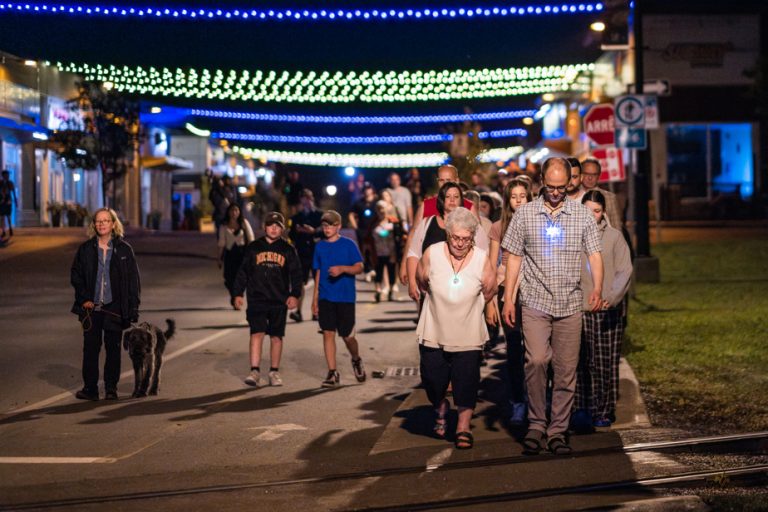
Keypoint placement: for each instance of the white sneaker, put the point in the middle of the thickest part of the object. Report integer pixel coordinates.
(254, 379)
(369, 276)
(275, 379)
(395, 288)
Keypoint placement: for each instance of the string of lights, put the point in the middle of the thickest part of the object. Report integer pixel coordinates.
(306, 118)
(382, 139)
(281, 14)
(392, 161)
(335, 87)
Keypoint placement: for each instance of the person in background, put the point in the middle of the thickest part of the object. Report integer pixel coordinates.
(550, 233)
(488, 208)
(401, 198)
(478, 183)
(271, 275)
(383, 235)
(457, 279)
(416, 188)
(574, 190)
(107, 286)
(597, 382)
(234, 235)
(516, 194)
(590, 178)
(336, 262)
(292, 192)
(305, 232)
(360, 217)
(8, 200)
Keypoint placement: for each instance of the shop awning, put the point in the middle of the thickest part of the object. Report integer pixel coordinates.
(13, 129)
(165, 163)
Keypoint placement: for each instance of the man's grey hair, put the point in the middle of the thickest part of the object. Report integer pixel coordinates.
(461, 218)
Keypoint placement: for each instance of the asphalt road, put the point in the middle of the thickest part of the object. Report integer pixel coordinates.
(208, 431)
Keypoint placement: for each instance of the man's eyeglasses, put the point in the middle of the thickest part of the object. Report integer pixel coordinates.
(590, 174)
(461, 239)
(559, 189)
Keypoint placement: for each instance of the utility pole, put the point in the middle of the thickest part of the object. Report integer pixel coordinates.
(646, 266)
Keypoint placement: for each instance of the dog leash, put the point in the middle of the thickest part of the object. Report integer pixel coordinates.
(89, 321)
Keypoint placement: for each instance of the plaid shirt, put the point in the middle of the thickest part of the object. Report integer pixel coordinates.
(551, 248)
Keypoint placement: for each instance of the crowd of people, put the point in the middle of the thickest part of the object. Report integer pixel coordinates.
(536, 256)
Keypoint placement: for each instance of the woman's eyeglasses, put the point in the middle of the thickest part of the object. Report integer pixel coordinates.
(461, 239)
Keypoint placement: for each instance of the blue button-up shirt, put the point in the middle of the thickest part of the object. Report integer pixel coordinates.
(103, 292)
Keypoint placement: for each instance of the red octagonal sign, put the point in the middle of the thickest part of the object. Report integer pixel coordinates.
(599, 124)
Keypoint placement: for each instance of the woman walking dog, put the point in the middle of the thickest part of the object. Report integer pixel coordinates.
(106, 281)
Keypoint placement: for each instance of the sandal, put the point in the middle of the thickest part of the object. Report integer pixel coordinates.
(533, 442)
(558, 446)
(440, 422)
(464, 441)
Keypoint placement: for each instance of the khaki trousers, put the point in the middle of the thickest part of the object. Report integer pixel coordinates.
(556, 340)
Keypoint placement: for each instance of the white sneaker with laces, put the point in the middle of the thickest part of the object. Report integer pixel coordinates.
(254, 379)
(275, 379)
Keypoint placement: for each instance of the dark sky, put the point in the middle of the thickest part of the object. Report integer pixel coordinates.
(339, 45)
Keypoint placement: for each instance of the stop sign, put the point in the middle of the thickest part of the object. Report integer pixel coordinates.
(599, 124)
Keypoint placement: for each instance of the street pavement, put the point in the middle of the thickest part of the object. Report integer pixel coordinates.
(208, 431)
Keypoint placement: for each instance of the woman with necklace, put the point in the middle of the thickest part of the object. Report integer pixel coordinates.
(432, 230)
(458, 280)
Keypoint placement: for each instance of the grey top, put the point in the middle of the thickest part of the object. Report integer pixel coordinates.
(617, 267)
(551, 248)
(103, 292)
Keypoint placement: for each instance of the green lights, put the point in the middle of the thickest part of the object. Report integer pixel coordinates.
(335, 86)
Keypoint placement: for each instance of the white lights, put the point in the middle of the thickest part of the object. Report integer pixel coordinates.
(197, 131)
(155, 110)
(336, 86)
(331, 190)
(394, 161)
(598, 26)
(39, 136)
(349, 171)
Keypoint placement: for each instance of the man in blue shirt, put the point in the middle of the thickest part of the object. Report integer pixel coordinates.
(336, 262)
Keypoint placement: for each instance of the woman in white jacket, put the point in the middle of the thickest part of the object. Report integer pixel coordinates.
(602, 331)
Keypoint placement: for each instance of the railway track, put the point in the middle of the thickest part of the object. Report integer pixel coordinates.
(754, 442)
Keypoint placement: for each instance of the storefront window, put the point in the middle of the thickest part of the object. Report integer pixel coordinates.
(712, 159)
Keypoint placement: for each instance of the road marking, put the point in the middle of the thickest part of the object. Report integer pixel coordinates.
(273, 432)
(126, 374)
(57, 460)
(436, 461)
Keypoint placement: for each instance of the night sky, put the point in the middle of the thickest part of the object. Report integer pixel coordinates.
(339, 45)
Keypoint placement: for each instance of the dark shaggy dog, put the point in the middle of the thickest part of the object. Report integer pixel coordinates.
(145, 344)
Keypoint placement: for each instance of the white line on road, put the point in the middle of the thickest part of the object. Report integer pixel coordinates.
(68, 394)
(56, 460)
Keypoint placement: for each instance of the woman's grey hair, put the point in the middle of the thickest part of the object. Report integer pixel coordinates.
(461, 218)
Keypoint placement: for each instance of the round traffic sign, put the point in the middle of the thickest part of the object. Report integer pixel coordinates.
(630, 111)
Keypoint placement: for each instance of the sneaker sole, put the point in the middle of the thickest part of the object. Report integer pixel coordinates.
(329, 386)
(253, 384)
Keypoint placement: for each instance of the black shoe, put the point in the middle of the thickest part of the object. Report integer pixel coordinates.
(295, 316)
(84, 394)
(110, 395)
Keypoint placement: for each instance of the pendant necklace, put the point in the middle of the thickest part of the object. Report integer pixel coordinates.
(456, 272)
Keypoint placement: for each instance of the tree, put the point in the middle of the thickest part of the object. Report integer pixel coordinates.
(464, 149)
(107, 138)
